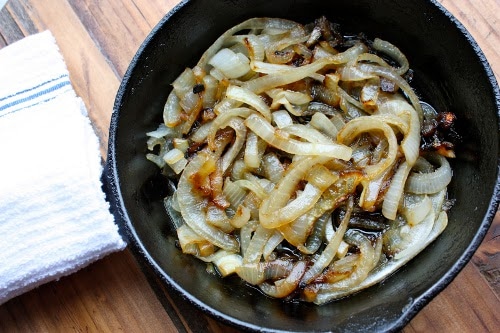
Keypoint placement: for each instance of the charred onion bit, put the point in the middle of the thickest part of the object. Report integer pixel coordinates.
(439, 134)
(304, 161)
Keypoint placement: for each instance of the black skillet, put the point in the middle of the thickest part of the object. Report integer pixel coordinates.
(450, 72)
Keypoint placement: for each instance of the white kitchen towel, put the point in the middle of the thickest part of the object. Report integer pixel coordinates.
(54, 218)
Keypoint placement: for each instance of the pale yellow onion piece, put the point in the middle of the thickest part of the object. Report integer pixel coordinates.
(294, 209)
(348, 98)
(329, 252)
(274, 210)
(283, 43)
(252, 273)
(277, 209)
(162, 132)
(342, 250)
(190, 204)
(321, 52)
(282, 119)
(232, 65)
(415, 208)
(432, 182)
(192, 108)
(394, 52)
(246, 96)
(233, 193)
(352, 73)
(156, 141)
(253, 43)
(369, 94)
(190, 101)
(266, 184)
(246, 232)
(241, 133)
(267, 82)
(266, 131)
(373, 58)
(271, 244)
(338, 121)
(174, 202)
(255, 187)
(173, 156)
(218, 75)
(411, 141)
(371, 190)
(176, 160)
(414, 236)
(228, 263)
(290, 99)
(256, 273)
(438, 200)
(187, 236)
(323, 124)
(285, 287)
(210, 91)
(307, 133)
(201, 133)
(297, 232)
(394, 194)
(254, 150)
(316, 236)
(422, 165)
(268, 68)
(394, 121)
(181, 144)
(172, 111)
(239, 170)
(255, 248)
(184, 83)
(217, 217)
(273, 169)
(369, 257)
(366, 124)
(241, 217)
(390, 74)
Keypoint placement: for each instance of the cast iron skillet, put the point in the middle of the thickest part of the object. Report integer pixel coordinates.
(450, 72)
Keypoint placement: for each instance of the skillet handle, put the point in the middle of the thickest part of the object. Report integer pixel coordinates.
(110, 189)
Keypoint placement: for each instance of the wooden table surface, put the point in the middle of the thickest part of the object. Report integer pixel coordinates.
(98, 39)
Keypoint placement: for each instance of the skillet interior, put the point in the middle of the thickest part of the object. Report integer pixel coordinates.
(450, 73)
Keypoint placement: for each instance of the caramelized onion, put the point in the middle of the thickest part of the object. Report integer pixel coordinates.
(297, 159)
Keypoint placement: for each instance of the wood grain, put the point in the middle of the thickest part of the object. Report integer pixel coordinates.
(98, 39)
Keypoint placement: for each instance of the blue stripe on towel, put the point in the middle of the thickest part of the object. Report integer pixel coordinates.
(34, 87)
(33, 96)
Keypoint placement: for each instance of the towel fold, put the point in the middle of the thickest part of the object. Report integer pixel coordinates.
(54, 218)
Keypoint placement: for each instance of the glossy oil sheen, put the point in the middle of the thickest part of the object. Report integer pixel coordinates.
(450, 72)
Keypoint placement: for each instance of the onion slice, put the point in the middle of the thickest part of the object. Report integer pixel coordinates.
(266, 131)
(366, 124)
(432, 182)
(191, 204)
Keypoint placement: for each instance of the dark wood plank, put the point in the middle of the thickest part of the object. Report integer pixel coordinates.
(466, 305)
(110, 23)
(110, 295)
(12, 32)
(487, 257)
